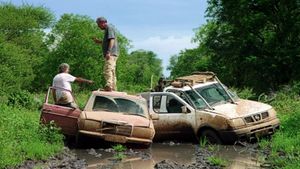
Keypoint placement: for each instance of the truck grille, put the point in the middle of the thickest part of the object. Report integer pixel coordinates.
(110, 128)
(256, 117)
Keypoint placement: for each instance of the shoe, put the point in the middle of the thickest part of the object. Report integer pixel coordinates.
(107, 88)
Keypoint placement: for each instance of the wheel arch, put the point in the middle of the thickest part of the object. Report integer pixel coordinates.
(207, 127)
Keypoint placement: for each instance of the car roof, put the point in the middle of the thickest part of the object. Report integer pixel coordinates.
(116, 94)
(186, 88)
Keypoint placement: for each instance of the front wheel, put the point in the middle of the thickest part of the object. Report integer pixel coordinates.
(211, 136)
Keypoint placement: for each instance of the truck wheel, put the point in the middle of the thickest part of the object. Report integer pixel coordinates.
(211, 136)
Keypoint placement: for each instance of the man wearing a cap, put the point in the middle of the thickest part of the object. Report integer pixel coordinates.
(62, 82)
(110, 52)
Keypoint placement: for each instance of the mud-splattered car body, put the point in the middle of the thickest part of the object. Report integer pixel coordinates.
(200, 105)
(112, 116)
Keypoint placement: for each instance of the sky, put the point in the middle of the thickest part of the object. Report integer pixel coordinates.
(162, 26)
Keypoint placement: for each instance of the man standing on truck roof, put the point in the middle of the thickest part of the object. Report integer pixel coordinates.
(62, 81)
(110, 52)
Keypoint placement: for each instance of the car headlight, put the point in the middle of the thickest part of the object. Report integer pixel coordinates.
(142, 132)
(236, 123)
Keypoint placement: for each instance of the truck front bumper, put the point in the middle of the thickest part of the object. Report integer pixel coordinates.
(249, 133)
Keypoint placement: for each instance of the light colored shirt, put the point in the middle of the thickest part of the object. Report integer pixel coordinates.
(63, 80)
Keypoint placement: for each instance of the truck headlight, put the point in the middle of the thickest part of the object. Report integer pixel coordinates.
(272, 113)
(236, 123)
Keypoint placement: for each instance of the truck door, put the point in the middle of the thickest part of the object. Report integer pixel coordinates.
(64, 117)
(173, 122)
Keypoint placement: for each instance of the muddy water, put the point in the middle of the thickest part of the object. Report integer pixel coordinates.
(238, 157)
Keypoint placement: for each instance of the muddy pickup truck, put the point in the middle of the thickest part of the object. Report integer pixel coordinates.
(199, 106)
(111, 116)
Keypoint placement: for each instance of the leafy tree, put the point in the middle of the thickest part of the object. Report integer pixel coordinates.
(70, 41)
(252, 43)
(257, 40)
(140, 67)
(188, 61)
(22, 47)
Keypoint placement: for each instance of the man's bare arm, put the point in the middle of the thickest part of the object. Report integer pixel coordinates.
(110, 46)
(97, 41)
(82, 80)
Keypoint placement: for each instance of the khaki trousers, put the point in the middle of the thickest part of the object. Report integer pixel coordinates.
(110, 72)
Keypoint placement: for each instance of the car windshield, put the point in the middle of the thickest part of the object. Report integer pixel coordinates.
(120, 105)
(213, 94)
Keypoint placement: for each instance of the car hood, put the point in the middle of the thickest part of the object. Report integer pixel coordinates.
(117, 118)
(241, 108)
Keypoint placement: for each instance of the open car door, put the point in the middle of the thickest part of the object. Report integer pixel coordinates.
(64, 117)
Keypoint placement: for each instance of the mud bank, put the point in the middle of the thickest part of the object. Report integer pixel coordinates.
(200, 163)
(64, 160)
(159, 156)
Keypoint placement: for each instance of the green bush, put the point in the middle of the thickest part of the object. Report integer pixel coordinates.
(245, 93)
(285, 144)
(22, 137)
(21, 98)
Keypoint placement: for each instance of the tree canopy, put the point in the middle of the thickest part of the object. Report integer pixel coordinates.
(251, 43)
(22, 47)
(33, 44)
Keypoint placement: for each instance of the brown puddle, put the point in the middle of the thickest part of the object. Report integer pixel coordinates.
(184, 153)
(239, 157)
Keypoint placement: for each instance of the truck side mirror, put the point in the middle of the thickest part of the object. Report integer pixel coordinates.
(154, 116)
(184, 109)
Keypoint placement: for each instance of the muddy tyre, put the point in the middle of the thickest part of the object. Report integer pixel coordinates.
(211, 136)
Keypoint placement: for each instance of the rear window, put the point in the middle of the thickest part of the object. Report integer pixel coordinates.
(105, 104)
(128, 106)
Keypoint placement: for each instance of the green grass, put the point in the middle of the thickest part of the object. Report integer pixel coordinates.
(119, 156)
(217, 161)
(203, 142)
(22, 137)
(119, 148)
(285, 144)
(119, 151)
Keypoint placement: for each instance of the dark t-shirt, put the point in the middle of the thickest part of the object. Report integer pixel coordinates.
(110, 33)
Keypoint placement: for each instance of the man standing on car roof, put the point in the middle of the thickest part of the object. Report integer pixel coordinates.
(62, 81)
(110, 52)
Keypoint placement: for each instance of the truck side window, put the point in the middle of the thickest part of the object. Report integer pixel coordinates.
(156, 103)
(173, 105)
(180, 94)
(198, 102)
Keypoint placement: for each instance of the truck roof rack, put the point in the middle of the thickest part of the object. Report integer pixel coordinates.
(195, 78)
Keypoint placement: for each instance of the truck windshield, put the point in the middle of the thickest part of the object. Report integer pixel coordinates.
(213, 94)
(120, 105)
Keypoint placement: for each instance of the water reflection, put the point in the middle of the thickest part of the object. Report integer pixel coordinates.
(238, 157)
(181, 153)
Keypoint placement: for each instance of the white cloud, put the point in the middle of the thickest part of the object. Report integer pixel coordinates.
(164, 47)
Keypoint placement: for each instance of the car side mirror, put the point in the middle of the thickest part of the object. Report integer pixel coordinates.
(154, 116)
(184, 109)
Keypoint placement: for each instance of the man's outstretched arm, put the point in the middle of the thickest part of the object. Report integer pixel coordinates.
(82, 80)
